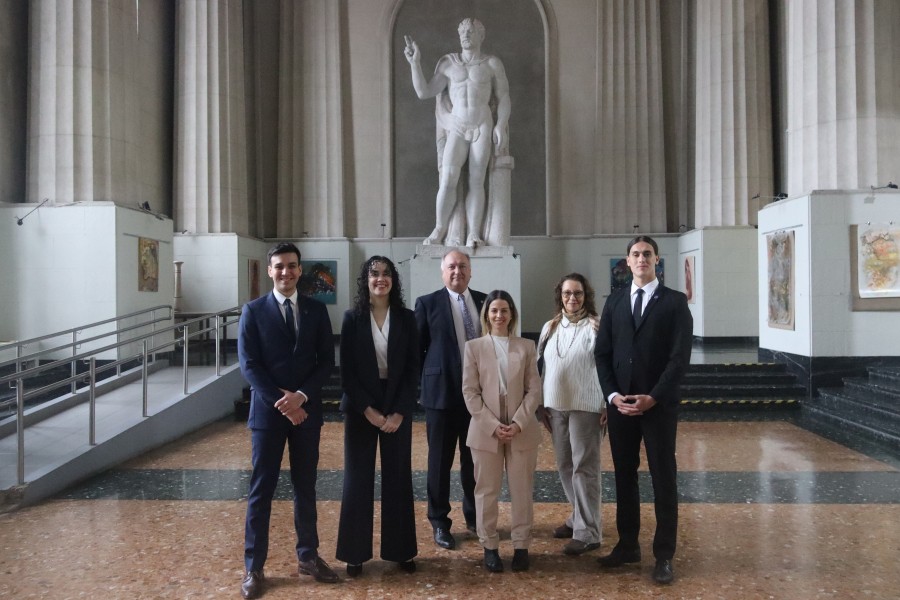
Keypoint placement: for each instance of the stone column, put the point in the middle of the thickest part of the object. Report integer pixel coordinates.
(733, 112)
(210, 143)
(79, 91)
(631, 185)
(310, 132)
(13, 100)
(843, 129)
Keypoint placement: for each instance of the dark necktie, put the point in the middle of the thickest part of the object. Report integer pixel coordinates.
(468, 324)
(289, 318)
(638, 305)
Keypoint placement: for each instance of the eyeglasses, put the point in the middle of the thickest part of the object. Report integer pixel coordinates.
(569, 294)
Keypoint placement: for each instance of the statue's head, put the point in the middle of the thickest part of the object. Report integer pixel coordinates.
(471, 33)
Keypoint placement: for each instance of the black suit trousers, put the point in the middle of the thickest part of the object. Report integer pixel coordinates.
(398, 520)
(657, 428)
(447, 430)
(267, 452)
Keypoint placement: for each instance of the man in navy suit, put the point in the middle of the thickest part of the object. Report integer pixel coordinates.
(446, 319)
(286, 351)
(643, 349)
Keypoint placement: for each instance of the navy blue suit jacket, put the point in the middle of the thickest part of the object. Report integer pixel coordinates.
(441, 362)
(359, 367)
(270, 361)
(651, 359)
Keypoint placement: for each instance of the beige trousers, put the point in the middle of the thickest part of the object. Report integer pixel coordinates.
(489, 467)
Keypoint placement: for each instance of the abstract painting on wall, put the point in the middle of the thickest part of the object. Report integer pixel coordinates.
(148, 265)
(620, 275)
(878, 252)
(319, 280)
(780, 258)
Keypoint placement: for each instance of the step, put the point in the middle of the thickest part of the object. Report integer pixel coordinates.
(697, 404)
(848, 407)
(699, 391)
(866, 391)
(885, 377)
(891, 441)
(738, 378)
(737, 368)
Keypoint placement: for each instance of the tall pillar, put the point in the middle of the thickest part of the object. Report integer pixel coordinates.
(79, 92)
(843, 98)
(13, 100)
(210, 144)
(733, 112)
(631, 184)
(310, 146)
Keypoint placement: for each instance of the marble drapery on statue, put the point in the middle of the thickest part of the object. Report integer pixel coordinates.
(472, 108)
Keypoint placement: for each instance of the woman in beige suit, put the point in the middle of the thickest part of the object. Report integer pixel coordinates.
(502, 390)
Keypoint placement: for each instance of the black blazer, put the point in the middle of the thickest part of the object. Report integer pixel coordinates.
(359, 367)
(270, 361)
(652, 359)
(441, 361)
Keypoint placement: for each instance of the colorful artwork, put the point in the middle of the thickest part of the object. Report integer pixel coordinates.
(689, 279)
(620, 275)
(148, 265)
(253, 277)
(780, 255)
(319, 280)
(879, 262)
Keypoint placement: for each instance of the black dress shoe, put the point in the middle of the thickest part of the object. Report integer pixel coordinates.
(471, 527)
(619, 557)
(251, 586)
(520, 560)
(663, 572)
(563, 532)
(318, 569)
(408, 566)
(354, 570)
(492, 561)
(443, 538)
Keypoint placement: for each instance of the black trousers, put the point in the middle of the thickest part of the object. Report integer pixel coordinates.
(398, 521)
(447, 430)
(657, 428)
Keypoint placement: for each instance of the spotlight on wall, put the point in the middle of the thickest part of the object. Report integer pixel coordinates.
(775, 198)
(890, 186)
(383, 225)
(682, 227)
(635, 227)
(19, 221)
(145, 206)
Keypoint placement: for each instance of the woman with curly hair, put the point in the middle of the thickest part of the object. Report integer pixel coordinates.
(379, 374)
(574, 410)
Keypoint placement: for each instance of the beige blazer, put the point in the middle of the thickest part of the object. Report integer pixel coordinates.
(481, 390)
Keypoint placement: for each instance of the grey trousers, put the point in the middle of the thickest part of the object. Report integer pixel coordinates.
(576, 444)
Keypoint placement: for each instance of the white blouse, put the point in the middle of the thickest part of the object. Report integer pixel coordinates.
(380, 337)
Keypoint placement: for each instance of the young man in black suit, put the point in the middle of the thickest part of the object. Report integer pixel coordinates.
(643, 349)
(446, 319)
(287, 352)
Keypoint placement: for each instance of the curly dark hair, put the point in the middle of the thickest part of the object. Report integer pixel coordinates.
(395, 298)
(589, 305)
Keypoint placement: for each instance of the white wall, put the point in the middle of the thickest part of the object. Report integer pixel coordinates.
(71, 265)
(725, 287)
(825, 325)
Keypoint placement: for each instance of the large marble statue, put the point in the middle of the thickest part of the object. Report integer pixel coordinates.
(469, 87)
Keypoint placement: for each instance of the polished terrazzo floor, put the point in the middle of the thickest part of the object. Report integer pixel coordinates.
(769, 509)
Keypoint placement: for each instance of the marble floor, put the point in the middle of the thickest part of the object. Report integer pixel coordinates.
(769, 509)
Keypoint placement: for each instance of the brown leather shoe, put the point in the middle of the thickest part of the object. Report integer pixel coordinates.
(251, 586)
(318, 569)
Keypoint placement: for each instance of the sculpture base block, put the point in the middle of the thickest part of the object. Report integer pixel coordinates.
(493, 268)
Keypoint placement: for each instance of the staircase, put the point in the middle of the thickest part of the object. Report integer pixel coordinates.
(867, 406)
(740, 386)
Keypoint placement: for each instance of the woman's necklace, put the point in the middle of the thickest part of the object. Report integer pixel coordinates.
(559, 332)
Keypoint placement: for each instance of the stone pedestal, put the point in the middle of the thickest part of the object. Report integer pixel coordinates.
(493, 268)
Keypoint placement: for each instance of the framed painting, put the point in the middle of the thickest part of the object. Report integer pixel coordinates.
(875, 267)
(780, 265)
(689, 279)
(148, 265)
(319, 280)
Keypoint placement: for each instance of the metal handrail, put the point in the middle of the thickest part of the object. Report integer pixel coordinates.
(90, 378)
